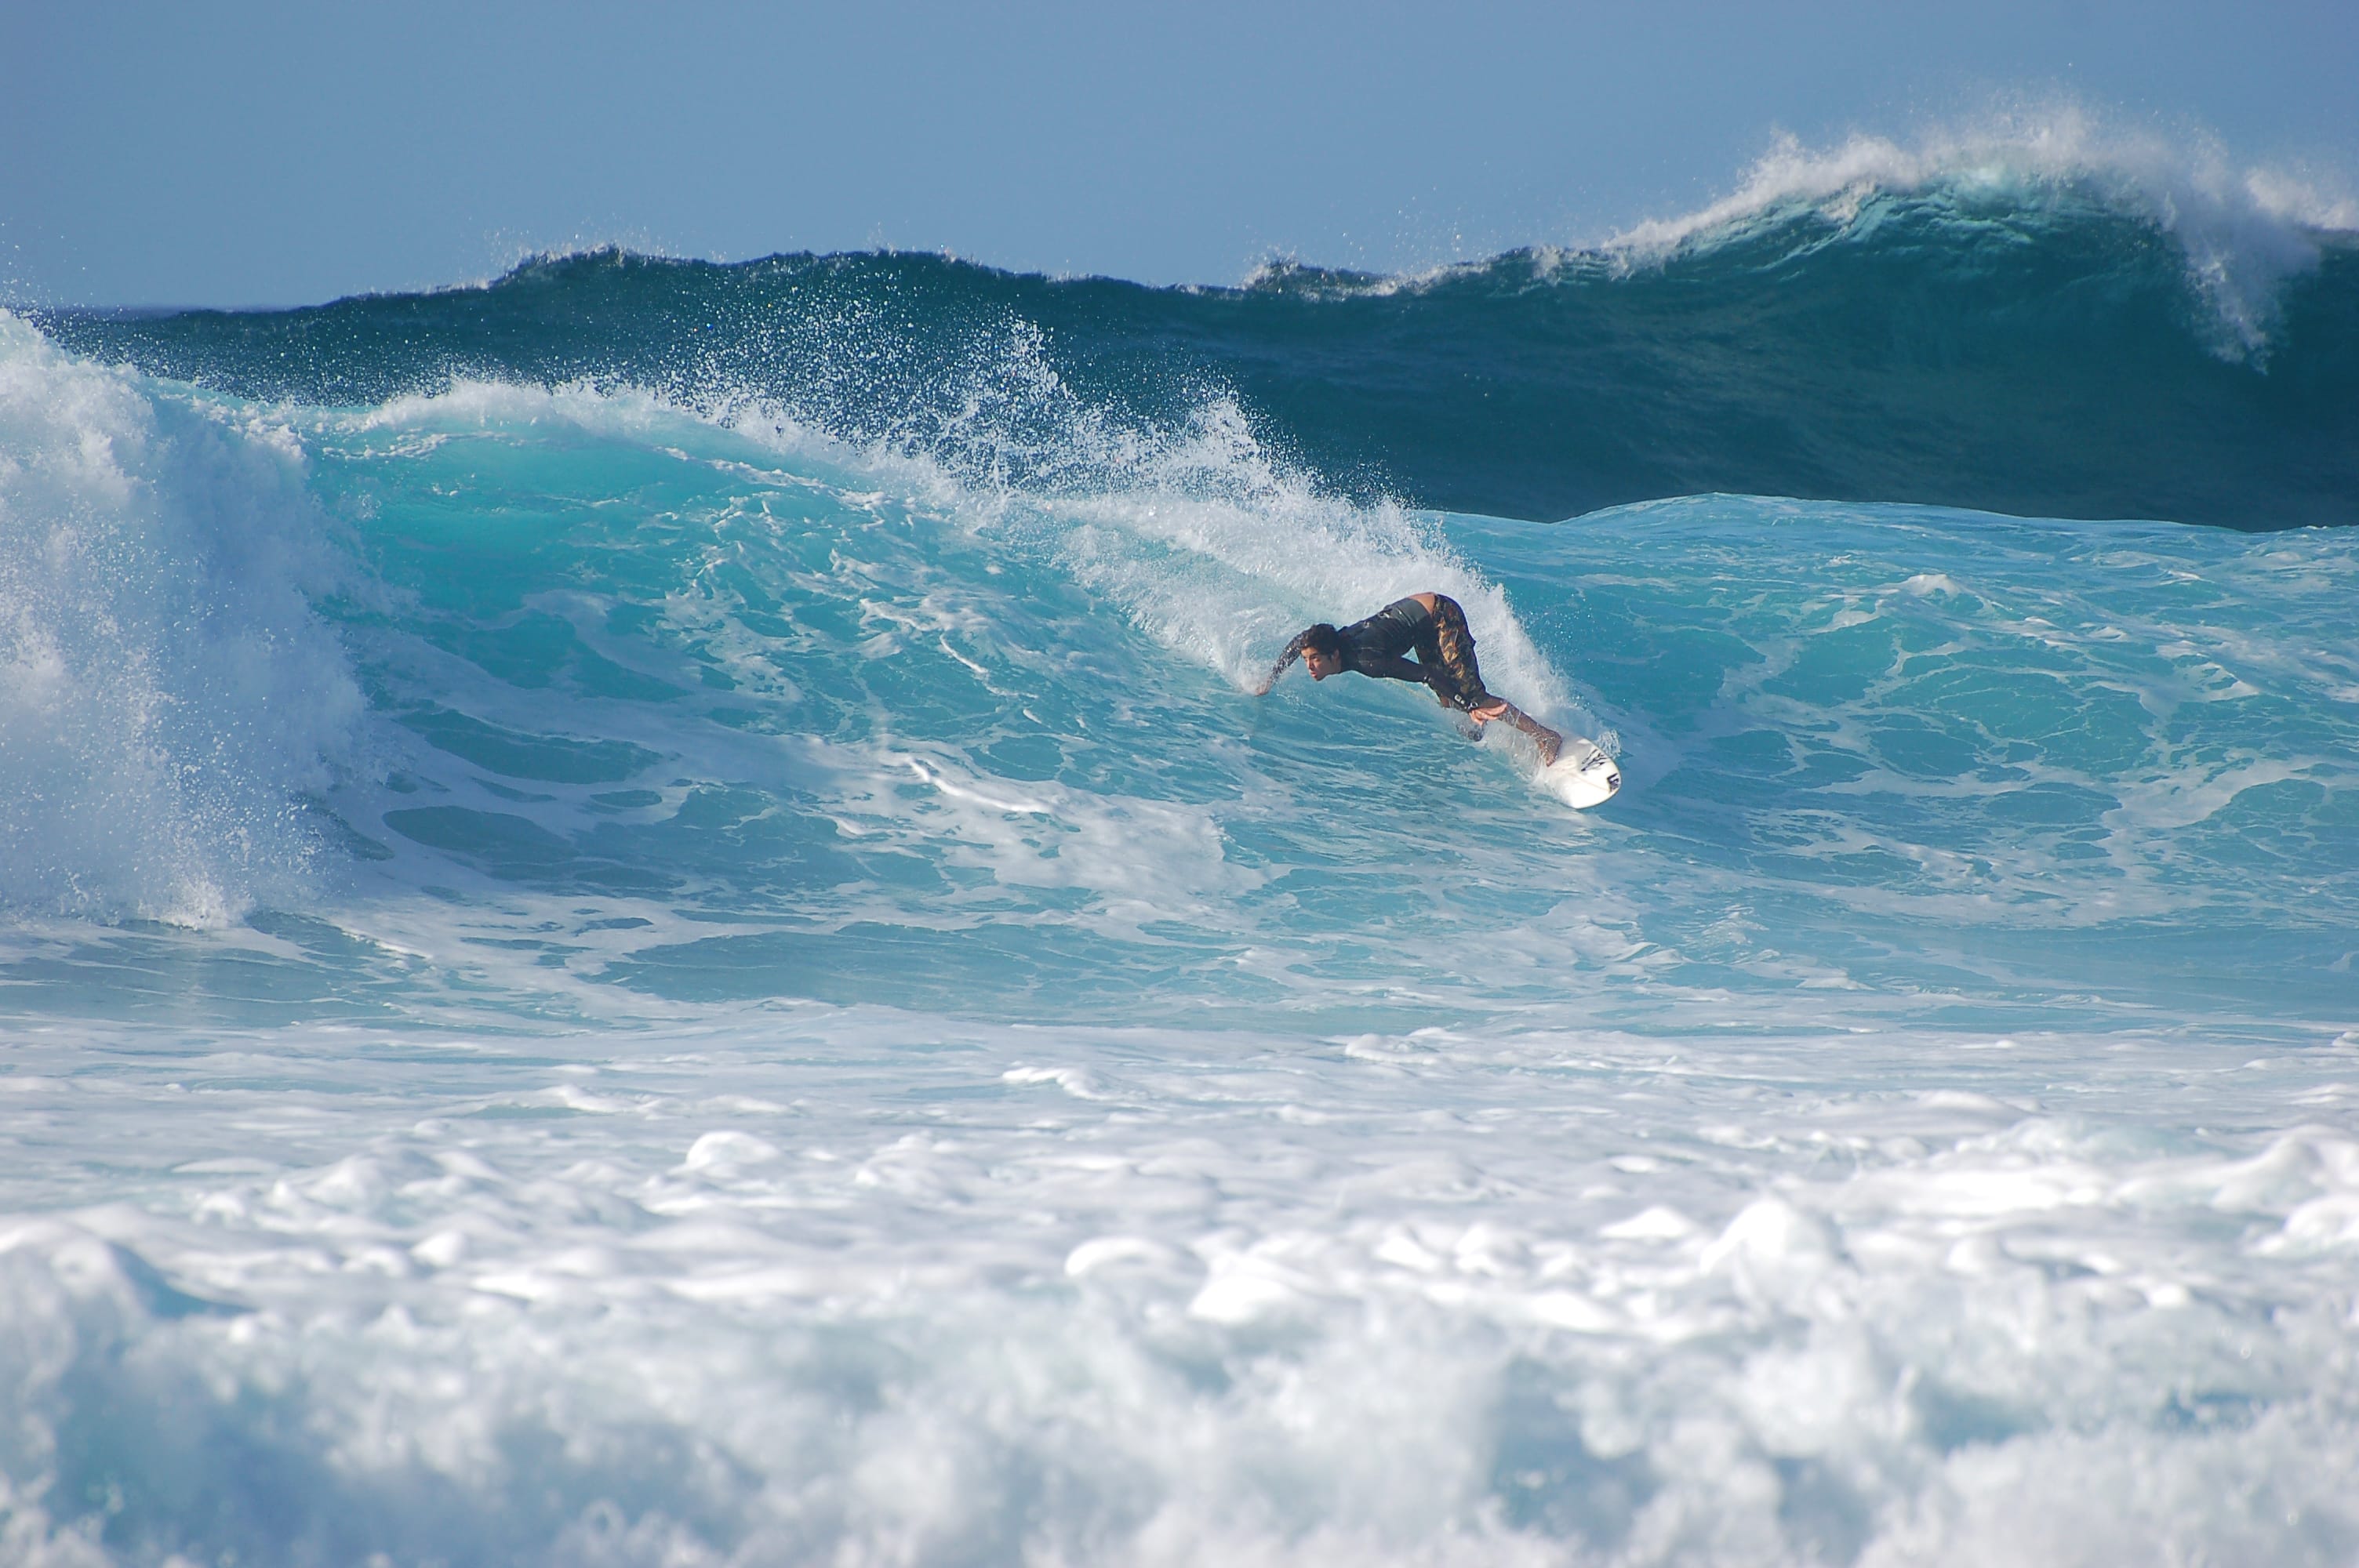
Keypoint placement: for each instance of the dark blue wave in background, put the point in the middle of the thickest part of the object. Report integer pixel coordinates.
(2050, 357)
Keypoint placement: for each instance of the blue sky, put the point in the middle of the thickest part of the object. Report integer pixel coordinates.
(253, 153)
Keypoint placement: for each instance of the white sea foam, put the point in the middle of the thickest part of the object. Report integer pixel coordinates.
(888, 1288)
(166, 692)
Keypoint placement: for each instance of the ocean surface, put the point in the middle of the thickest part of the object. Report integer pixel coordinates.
(646, 918)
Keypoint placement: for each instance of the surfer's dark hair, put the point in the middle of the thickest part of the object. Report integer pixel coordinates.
(1324, 640)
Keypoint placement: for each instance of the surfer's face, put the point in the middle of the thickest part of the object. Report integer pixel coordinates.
(1321, 665)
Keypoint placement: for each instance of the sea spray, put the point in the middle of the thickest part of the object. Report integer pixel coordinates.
(166, 690)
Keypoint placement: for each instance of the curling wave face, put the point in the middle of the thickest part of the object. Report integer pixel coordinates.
(671, 973)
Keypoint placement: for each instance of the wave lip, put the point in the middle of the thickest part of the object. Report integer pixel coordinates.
(2243, 230)
(167, 694)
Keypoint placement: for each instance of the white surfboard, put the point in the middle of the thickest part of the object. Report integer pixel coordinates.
(1582, 775)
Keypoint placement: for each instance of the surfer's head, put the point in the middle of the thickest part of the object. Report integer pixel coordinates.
(1322, 651)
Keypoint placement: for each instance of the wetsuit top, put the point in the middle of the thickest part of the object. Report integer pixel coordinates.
(1375, 647)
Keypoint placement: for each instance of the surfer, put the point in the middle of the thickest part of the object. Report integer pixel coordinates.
(1431, 625)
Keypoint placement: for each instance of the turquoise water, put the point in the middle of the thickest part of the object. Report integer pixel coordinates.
(604, 967)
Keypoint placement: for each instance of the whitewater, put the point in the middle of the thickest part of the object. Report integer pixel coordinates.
(647, 919)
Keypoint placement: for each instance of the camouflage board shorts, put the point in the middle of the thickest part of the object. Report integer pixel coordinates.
(1446, 642)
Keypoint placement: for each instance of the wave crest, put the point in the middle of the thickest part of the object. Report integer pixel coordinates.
(2242, 228)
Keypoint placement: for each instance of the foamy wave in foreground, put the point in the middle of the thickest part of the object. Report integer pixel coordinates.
(734, 1295)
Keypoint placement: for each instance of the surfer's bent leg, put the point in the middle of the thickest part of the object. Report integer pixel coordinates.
(1453, 649)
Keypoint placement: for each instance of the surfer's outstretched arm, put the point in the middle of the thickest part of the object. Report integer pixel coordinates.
(1293, 651)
